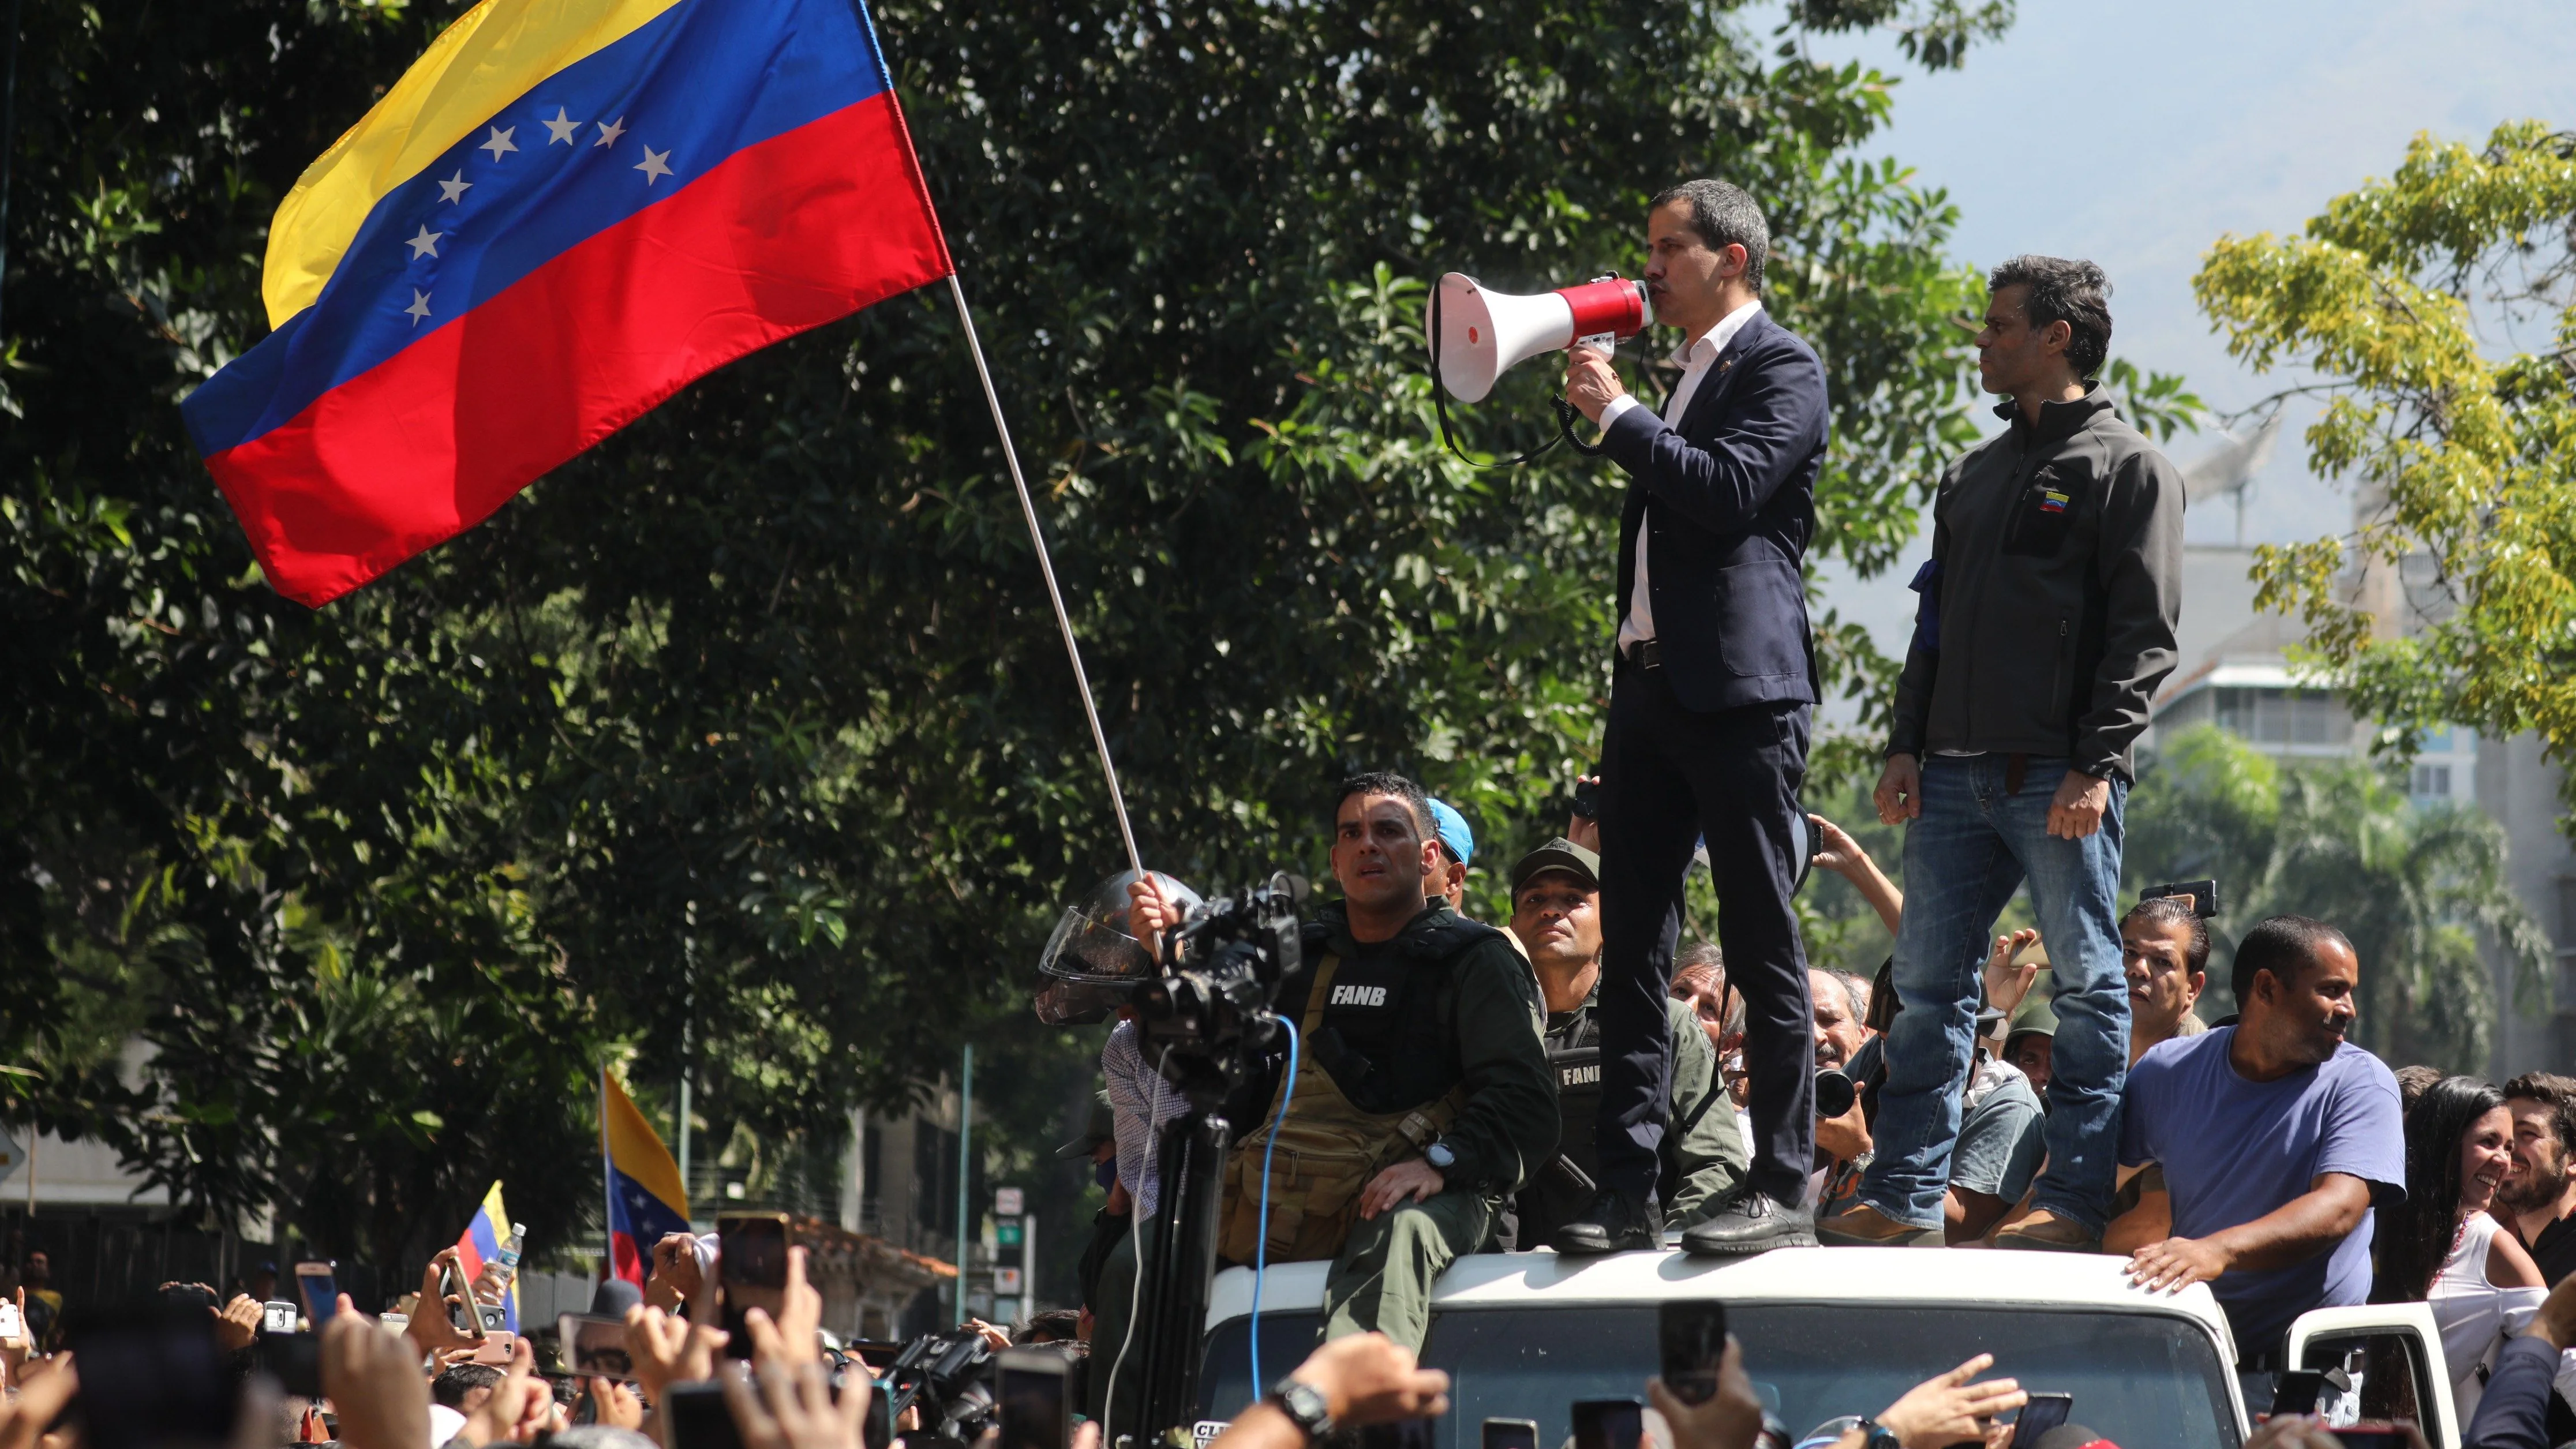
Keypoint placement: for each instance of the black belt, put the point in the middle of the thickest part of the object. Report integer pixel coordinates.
(1645, 654)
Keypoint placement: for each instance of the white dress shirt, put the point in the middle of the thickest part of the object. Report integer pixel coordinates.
(1695, 361)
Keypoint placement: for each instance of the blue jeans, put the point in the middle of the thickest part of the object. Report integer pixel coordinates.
(1964, 857)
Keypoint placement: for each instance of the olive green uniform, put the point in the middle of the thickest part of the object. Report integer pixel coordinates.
(1433, 1036)
(1703, 1155)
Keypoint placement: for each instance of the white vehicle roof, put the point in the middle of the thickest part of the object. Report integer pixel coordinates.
(1784, 1275)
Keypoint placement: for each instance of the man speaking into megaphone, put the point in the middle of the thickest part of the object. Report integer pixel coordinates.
(1711, 699)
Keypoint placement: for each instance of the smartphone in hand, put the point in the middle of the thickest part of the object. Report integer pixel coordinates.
(1608, 1423)
(1031, 1394)
(751, 1262)
(1511, 1434)
(320, 1290)
(2043, 1413)
(1690, 1340)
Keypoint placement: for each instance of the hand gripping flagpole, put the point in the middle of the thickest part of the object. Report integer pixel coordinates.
(1046, 567)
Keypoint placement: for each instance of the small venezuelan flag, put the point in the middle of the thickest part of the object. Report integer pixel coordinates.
(646, 1199)
(482, 1243)
(563, 213)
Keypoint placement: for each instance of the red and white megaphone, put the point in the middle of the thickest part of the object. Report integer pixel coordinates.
(1479, 332)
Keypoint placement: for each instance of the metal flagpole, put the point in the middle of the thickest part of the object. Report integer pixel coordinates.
(607, 1187)
(965, 1171)
(1055, 596)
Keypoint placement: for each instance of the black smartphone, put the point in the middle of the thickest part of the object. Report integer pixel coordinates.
(2203, 894)
(1511, 1434)
(150, 1378)
(2043, 1413)
(1608, 1423)
(1402, 1434)
(294, 1360)
(2374, 1434)
(2298, 1392)
(699, 1418)
(751, 1264)
(1690, 1336)
(1587, 800)
(320, 1291)
(1030, 1391)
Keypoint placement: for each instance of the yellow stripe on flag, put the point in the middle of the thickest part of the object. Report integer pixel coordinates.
(636, 1150)
(490, 57)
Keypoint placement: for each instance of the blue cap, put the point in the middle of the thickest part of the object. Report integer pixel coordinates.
(1453, 832)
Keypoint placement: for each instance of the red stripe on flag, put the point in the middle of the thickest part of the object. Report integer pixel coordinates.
(797, 231)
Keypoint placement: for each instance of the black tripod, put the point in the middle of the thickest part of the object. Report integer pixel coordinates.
(1172, 1302)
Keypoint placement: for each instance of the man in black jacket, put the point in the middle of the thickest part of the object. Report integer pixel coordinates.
(1709, 710)
(2047, 621)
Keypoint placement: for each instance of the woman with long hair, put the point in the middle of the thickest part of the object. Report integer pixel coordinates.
(2442, 1246)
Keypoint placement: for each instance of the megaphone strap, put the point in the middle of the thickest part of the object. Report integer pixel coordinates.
(1565, 413)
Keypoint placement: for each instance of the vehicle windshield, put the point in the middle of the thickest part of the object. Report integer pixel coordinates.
(2144, 1381)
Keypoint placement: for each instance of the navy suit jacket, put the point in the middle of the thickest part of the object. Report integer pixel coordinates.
(1734, 493)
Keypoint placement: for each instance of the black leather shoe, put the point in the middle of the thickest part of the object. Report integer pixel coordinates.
(1753, 1222)
(1615, 1223)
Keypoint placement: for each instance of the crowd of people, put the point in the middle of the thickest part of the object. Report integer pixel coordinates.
(1581, 1079)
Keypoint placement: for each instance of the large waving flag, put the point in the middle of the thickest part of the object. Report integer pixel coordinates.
(646, 1199)
(481, 1244)
(562, 214)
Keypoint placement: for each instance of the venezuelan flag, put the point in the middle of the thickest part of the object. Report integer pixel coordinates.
(482, 1243)
(646, 1198)
(563, 213)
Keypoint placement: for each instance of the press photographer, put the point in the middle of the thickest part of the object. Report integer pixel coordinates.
(1422, 1096)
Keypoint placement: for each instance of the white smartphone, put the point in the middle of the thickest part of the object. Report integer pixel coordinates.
(277, 1316)
(13, 1329)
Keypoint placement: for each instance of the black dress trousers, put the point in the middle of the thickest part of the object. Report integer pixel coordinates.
(1669, 777)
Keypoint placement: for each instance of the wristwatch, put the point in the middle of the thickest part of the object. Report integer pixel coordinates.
(1305, 1407)
(1440, 1156)
(1878, 1436)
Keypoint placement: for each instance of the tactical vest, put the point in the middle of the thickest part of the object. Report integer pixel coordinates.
(1559, 1192)
(1376, 1083)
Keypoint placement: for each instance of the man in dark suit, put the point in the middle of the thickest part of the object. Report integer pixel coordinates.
(1712, 696)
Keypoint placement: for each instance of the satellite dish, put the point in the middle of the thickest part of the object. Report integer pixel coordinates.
(2228, 469)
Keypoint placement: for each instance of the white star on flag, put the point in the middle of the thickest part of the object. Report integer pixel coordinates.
(454, 187)
(609, 131)
(425, 244)
(652, 166)
(419, 307)
(500, 141)
(561, 128)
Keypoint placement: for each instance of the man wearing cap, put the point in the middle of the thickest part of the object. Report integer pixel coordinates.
(1457, 845)
(1556, 916)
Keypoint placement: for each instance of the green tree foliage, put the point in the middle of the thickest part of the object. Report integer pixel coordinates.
(2434, 311)
(752, 720)
(2417, 888)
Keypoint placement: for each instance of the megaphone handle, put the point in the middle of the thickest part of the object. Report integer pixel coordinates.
(1565, 416)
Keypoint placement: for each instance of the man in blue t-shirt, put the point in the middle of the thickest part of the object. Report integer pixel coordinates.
(2276, 1137)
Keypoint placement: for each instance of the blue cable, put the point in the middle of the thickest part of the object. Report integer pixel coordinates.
(1261, 1246)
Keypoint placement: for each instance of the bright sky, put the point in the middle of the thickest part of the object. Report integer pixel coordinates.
(2137, 134)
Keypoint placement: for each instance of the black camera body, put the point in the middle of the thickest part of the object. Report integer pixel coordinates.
(1208, 1016)
(948, 1377)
